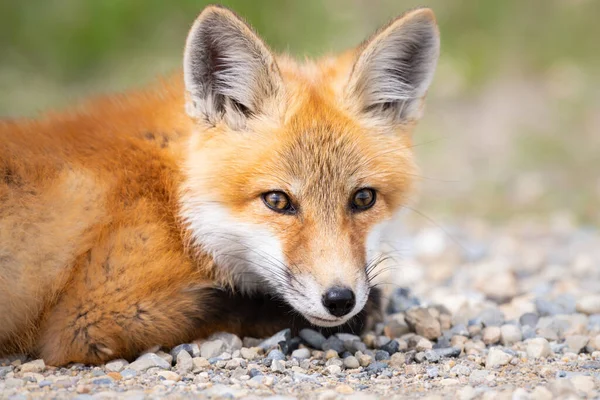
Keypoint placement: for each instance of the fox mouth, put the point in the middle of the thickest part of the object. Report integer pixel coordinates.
(324, 322)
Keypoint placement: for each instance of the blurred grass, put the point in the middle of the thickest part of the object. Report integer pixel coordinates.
(513, 111)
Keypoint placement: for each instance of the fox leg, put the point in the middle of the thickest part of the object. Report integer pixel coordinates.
(122, 300)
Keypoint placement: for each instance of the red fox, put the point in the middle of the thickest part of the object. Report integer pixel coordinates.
(136, 220)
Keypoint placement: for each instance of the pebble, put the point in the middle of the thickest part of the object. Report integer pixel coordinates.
(491, 335)
(432, 372)
(333, 369)
(510, 334)
(576, 343)
(396, 326)
(284, 335)
(275, 355)
(14, 382)
(589, 304)
(364, 359)
(391, 347)
(212, 348)
(301, 354)
(423, 345)
(491, 317)
(128, 373)
(192, 348)
(333, 343)
(344, 389)
(185, 362)
(230, 341)
(33, 366)
(313, 338)
(529, 319)
(423, 323)
(351, 362)
(497, 358)
(116, 365)
(432, 356)
(149, 360)
(538, 348)
(169, 375)
(478, 377)
(398, 360)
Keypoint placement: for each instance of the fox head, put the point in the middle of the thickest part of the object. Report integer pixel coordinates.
(294, 169)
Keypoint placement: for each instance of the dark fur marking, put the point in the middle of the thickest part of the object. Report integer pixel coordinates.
(10, 178)
(149, 136)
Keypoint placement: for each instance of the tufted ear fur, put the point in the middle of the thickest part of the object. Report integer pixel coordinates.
(230, 74)
(394, 68)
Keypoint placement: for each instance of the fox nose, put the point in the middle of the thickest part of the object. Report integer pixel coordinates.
(339, 301)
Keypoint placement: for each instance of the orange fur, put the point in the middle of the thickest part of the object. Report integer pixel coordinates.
(95, 260)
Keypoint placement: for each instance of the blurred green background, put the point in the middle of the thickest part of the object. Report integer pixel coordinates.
(512, 125)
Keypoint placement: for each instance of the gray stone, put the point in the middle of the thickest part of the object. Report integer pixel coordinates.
(128, 374)
(381, 355)
(401, 300)
(333, 343)
(376, 367)
(432, 356)
(313, 338)
(529, 319)
(185, 363)
(5, 370)
(281, 336)
(301, 354)
(564, 304)
(432, 372)
(149, 360)
(448, 352)
(276, 355)
(231, 341)
(491, 317)
(391, 347)
(351, 362)
(212, 348)
(192, 348)
(103, 381)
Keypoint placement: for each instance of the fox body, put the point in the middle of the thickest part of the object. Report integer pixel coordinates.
(135, 220)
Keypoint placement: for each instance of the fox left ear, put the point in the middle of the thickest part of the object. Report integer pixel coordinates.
(394, 68)
(230, 75)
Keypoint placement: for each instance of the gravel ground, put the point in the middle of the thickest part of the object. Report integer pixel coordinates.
(491, 313)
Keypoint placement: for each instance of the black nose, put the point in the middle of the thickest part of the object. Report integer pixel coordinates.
(339, 301)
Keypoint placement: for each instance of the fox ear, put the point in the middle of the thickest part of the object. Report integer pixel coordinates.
(394, 68)
(230, 75)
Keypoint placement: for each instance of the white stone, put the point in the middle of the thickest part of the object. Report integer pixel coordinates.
(538, 348)
(510, 334)
(116, 365)
(496, 358)
(589, 304)
(34, 366)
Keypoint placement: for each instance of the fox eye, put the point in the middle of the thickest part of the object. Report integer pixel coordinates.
(363, 199)
(278, 202)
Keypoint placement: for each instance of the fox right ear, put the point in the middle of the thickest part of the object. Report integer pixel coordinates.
(394, 68)
(230, 75)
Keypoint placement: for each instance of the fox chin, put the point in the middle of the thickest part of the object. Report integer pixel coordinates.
(245, 185)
